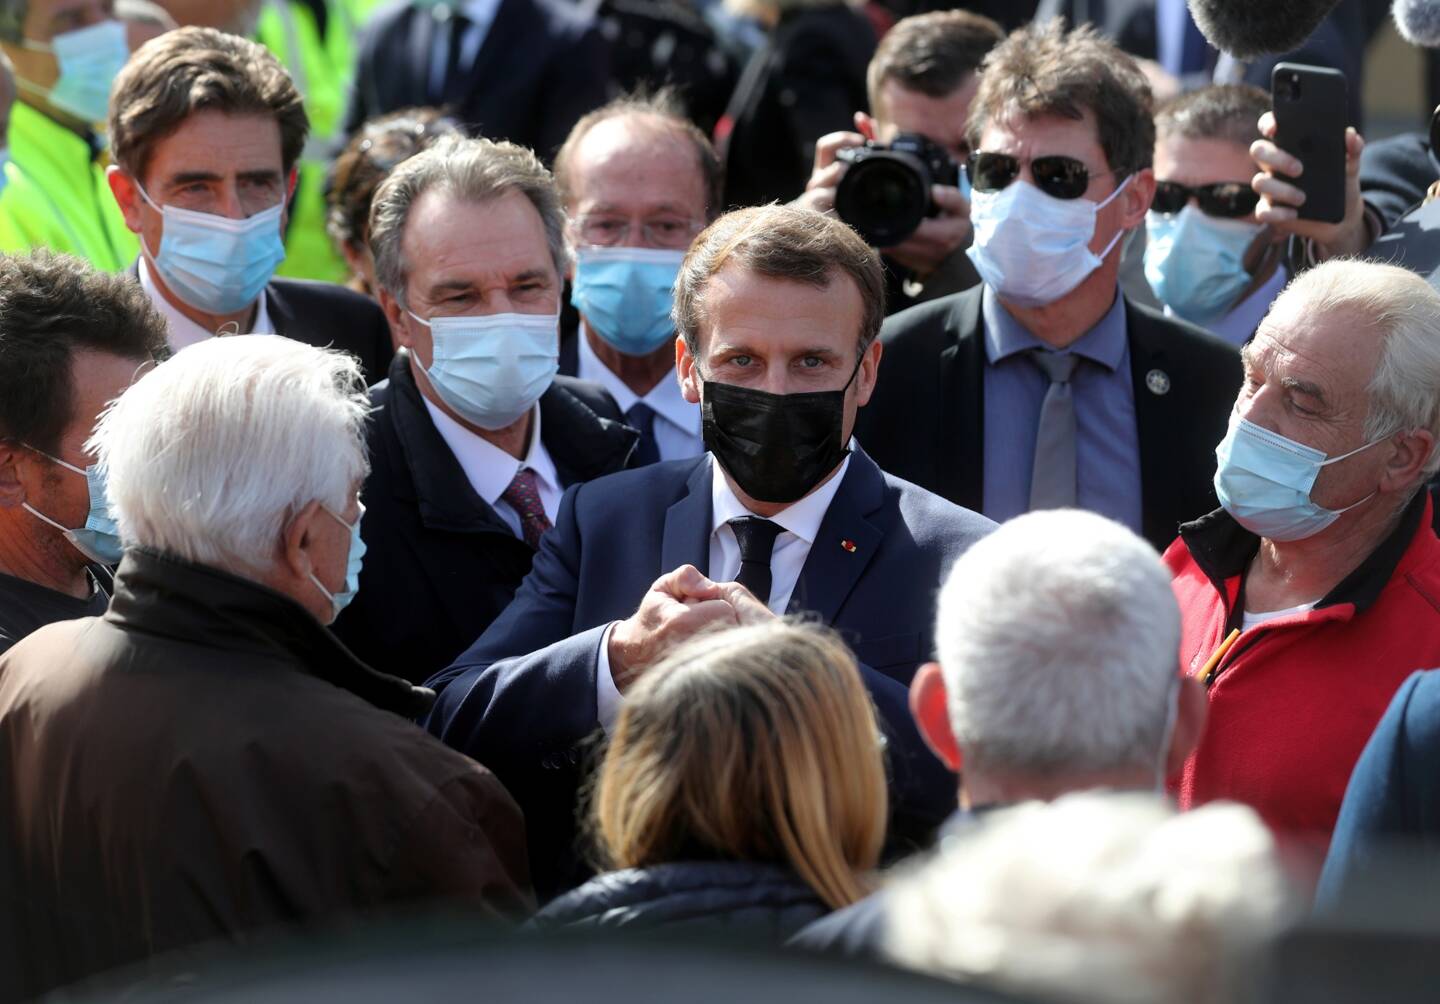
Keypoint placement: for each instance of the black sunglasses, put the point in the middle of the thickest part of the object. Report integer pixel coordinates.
(1057, 175)
(1226, 199)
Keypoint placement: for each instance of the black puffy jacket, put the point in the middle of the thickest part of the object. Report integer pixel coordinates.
(759, 901)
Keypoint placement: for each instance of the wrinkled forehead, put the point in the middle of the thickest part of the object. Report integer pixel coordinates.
(1336, 351)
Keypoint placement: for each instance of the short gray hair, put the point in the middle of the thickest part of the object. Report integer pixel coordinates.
(1099, 897)
(780, 242)
(212, 453)
(1058, 638)
(1404, 310)
(473, 170)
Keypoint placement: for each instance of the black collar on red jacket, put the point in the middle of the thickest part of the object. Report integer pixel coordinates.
(167, 596)
(1223, 549)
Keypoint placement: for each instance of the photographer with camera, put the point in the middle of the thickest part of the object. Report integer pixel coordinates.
(908, 202)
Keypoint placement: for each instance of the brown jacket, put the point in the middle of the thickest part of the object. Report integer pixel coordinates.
(206, 760)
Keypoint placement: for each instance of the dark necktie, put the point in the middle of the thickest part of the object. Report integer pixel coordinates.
(523, 496)
(641, 418)
(756, 538)
(1052, 478)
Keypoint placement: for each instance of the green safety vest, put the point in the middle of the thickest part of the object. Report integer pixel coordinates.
(323, 69)
(56, 196)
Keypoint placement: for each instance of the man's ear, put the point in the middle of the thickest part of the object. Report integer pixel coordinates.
(1405, 467)
(1192, 709)
(395, 314)
(298, 540)
(687, 371)
(869, 373)
(929, 706)
(12, 488)
(1136, 199)
(127, 196)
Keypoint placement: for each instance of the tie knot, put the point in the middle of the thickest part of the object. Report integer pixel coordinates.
(755, 536)
(1058, 366)
(641, 418)
(523, 492)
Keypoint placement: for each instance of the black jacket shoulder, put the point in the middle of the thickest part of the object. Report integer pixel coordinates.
(747, 899)
(330, 316)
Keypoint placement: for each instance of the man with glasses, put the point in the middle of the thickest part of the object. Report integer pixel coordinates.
(638, 181)
(66, 54)
(205, 130)
(1207, 258)
(1044, 387)
(474, 438)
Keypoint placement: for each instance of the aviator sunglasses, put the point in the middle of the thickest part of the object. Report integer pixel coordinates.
(1226, 199)
(1057, 175)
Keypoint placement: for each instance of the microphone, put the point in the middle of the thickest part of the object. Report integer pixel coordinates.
(1418, 21)
(1247, 29)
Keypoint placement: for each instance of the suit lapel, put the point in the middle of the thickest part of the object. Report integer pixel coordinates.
(1155, 417)
(422, 50)
(503, 43)
(686, 539)
(846, 543)
(961, 430)
(279, 311)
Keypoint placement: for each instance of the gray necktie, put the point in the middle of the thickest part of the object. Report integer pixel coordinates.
(1052, 479)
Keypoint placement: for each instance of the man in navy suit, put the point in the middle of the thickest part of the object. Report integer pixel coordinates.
(778, 310)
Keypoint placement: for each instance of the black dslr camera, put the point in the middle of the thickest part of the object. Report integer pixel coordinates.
(885, 194)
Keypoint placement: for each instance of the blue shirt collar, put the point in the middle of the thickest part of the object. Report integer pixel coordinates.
(1005, 336)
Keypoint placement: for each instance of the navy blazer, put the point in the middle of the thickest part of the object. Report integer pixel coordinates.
(1387, 837)
(526, 716)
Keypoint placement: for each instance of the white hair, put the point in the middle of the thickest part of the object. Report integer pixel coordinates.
(1404, 310)
(1059, 638)
(210, 454)
(1098, 897)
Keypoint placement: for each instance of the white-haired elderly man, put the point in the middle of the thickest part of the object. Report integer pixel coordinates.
(1056, 636)
(204, 760)
(1310, 596)
(1099, 898)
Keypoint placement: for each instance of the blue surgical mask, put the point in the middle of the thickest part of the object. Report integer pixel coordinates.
(625, 295)
(99, 538)
(492, 369)
(1032, 248)
(89, 60)
(339, 601)
(214, 263)
(1263, 480)
(1196, 263)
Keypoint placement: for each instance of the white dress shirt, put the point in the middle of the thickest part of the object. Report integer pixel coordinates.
(677, 421)
(181, 332)
(481, 15)
(490, 469)
(800, 525)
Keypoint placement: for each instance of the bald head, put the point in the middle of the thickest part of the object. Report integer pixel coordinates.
(639, 155)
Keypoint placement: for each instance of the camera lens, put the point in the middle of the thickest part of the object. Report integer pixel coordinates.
(884, 197)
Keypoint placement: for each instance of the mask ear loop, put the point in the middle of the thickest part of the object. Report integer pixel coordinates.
(1102, 204)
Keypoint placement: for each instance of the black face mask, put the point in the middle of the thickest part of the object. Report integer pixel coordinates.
(777, 447)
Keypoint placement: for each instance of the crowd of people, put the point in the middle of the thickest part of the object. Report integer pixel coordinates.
(475, 457)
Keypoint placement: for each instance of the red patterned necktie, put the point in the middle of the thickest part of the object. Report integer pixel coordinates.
(523, 496)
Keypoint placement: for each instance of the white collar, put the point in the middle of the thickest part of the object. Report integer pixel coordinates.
(181, 332)
(665, 398)
(802, 518)
(488, 468)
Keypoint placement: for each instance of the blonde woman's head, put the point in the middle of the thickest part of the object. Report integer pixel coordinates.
(755, 743)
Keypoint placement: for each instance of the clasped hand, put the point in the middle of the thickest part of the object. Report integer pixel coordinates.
(678, 605)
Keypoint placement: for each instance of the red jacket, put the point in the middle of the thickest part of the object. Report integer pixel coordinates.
(1295, 699)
